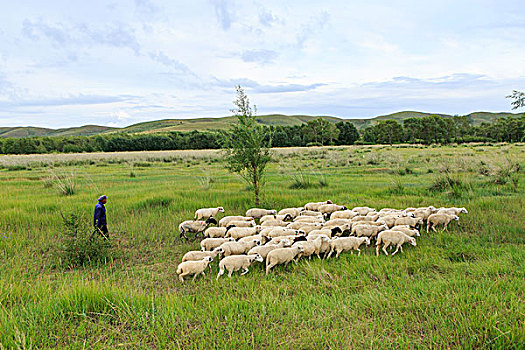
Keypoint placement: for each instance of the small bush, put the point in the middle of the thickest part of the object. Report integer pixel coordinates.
(64, 184)
(17, 167)
(454, 185)
(81, 246)
(303, 180)
(153, 203)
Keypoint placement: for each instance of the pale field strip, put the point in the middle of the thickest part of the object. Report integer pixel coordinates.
(26, 159)
(141, 156)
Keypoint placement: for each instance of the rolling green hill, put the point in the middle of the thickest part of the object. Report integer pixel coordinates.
(203, 124)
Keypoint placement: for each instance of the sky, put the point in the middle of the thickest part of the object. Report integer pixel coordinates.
(115, 63)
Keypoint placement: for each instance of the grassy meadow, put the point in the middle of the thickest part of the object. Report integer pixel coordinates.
(464, 288)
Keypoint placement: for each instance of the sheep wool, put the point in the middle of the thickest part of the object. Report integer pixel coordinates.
(206, 213)
(396, 238)
(237, 262)
(342, 244)
(282, 256)
(440, 219)
(194, 268)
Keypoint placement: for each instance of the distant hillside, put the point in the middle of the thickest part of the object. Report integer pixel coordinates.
(30, 131)
(207, 124)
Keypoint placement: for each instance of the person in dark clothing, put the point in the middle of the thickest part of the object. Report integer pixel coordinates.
(99, 220)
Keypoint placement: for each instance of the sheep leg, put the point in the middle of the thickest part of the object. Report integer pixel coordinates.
(446, 229)
(230, 272)
(221, 272)
(359, 250)
(338, 253)
(401, 248)
(434, 228)
(181, 278)
(384, 248)
(328, 255)
(428, 226)
(377, 250)
(246, 270)
(268, 267)
(394, 253)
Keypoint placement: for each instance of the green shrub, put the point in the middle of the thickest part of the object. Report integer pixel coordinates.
(81, 246)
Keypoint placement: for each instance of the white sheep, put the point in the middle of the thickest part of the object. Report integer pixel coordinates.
(195, 226)
(236, 248)
(452, 211)
(316, 219)
(227, 219)
(330, 208)
(278, 240)
(363, 210)
(294, 212)
(240, 223)
(284, 231)
(312, 246)
(440, 219)
(234, 263)
(391, 237)
(258, 213)
(240, 232)
(282, 256)
(424, 213)
(212, 243)
(310, 213)
(215, 232)
(206, 213)
(412, 222)
(343, 214)
(263, 250)
(329, 232)
(314, 206)
(260, 237)
(390, 220)
(197, 255)
(193, 268)
(342, 244)
(406, 230)
(338, 222)
(274, 222)
(368, 230)
(285, 217)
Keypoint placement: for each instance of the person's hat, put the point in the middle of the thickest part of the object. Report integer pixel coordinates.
(102, 197)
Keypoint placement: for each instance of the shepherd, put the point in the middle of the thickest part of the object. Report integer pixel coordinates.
(99, 220)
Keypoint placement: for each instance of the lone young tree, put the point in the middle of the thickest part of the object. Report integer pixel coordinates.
(247, 145)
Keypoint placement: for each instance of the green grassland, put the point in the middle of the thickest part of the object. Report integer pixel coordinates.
(211, 124)
(458, 289)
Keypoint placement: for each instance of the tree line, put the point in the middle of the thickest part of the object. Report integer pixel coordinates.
(317, 132)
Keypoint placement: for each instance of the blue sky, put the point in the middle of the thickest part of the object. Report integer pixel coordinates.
(69, 63)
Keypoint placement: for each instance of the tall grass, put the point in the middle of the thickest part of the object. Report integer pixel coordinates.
(461, 288)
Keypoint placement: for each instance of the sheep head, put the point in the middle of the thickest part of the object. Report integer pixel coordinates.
(221, 209)
(258, 258)
(412, 241)
(211, 220)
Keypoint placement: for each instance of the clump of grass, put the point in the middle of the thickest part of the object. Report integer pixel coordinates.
(80, 246)
(507, 172)
(397, 186)
(17, 167)
(131, 171)
(453, 185)
(205, 180)
(153, 203)
(302, 180)
(64, 183)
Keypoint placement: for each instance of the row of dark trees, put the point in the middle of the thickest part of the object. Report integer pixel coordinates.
(426, 130)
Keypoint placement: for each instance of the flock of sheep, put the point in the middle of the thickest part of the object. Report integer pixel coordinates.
(319, 228)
